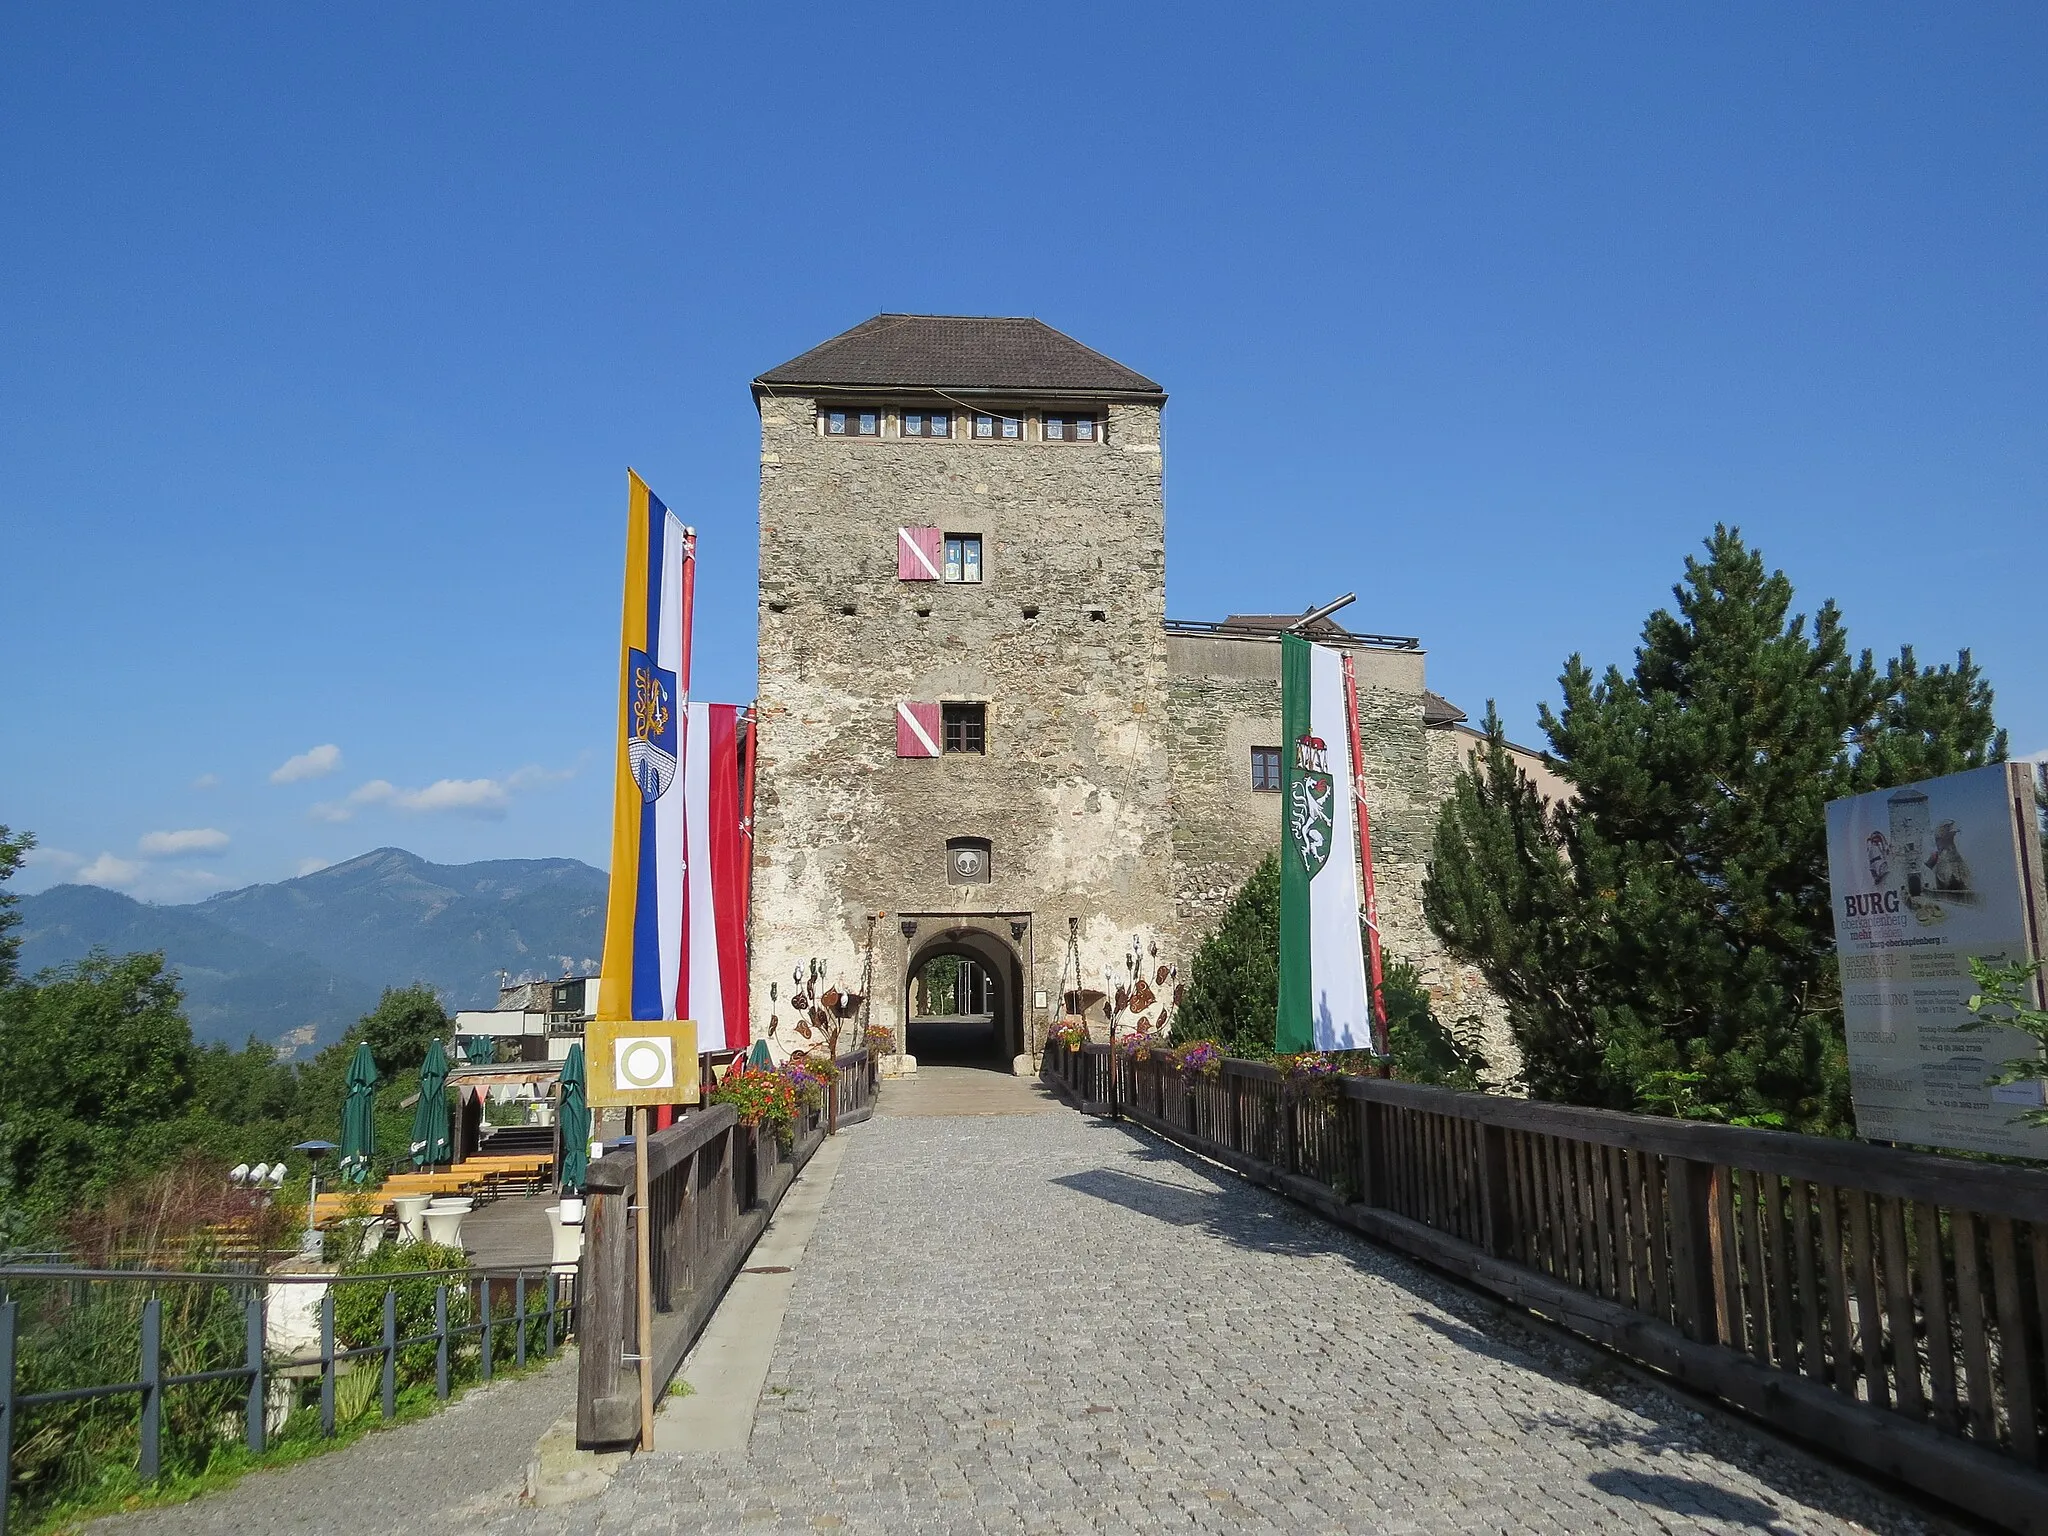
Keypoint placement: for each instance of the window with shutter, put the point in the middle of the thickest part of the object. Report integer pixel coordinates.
(917, 554)
(917, 730)
(965, 726)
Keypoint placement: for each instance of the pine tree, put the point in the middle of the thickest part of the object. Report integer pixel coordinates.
(1662, 938)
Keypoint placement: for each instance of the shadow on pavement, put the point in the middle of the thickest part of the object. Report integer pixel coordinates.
(1243, 1213)
(1689, 1496)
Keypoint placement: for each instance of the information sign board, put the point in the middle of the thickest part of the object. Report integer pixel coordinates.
(641, 1061)
(1922, 878)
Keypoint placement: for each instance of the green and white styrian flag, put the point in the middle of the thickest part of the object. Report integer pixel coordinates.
(1323, 1003)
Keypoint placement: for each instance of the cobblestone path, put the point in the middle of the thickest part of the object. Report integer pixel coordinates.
(1049, 1323)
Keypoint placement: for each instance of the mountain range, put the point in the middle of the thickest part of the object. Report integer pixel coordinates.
(298, 961)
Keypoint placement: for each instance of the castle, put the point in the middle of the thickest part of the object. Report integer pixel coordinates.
(979, 735)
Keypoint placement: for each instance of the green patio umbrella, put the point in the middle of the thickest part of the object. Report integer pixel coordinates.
(359, 1118)
(430, 1120)
(482, 1050)
(573, 1116)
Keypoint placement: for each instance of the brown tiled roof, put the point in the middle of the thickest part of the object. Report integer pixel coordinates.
(980, 353)
(1438, 710)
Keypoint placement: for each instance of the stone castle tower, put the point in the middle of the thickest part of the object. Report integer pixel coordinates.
(978, 734)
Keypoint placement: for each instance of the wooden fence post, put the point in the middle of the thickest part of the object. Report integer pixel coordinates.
(1369, 1174)
(603, 1305)
(1496, 1210)
(1691, 1186)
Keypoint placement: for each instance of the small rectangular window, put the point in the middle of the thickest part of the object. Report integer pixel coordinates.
(993, 427)
(963, 557)
(1266, 768)
(965, 727)
(1071, 429)
(927, 423)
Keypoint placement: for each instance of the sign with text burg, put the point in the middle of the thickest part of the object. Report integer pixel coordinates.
(641, 1061)
(1923, 878)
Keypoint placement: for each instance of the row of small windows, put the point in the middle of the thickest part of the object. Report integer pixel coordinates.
(984, 426)
(963, 727)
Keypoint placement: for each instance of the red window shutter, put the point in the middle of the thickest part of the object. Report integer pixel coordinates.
(917, 730)
(917, 554)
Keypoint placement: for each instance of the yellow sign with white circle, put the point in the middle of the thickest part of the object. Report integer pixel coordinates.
(641, 1061)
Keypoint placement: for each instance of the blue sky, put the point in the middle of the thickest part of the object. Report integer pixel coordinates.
(327, 334)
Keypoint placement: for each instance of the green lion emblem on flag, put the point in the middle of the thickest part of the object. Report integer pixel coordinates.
(1311, 805)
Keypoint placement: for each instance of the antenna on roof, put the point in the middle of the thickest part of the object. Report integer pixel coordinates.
(1313, 615)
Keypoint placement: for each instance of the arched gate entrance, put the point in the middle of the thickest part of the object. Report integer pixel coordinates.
(980, 992)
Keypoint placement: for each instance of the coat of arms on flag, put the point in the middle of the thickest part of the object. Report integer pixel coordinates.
(651, 726)
(1322, 1004)
(1311, 820)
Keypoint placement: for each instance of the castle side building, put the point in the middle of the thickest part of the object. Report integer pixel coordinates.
(978, 734)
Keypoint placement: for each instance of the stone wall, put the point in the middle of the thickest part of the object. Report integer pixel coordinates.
(1061, 639)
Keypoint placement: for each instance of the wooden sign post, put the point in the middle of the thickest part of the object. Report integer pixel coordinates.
(639, 1063)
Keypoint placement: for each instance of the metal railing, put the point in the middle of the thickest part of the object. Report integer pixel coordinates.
(1889, 1305)
(1223, 629)
(553, 1310)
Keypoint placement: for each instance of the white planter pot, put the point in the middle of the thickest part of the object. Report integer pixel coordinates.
(409, 1208)
(568, 1240)
(445, 1227)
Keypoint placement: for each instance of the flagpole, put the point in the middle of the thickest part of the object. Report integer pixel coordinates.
(1364, 818)
(643, 1273)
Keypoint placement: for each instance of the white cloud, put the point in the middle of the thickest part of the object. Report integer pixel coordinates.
(314, 764)
(207, 781)
(2034, 757)
(169, 845)
(116, 874)
(479, 797)
(464, 797)
(60, 860)
(474, 797)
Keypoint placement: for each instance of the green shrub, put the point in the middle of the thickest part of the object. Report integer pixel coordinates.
(359, 1301)
(1234, 988)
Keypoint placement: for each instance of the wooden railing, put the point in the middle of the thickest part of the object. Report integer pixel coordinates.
(1891, 1306)
(859, 1082)
(712, 1184)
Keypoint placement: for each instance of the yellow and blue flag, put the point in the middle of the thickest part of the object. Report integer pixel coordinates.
(644, 924)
